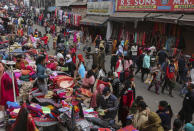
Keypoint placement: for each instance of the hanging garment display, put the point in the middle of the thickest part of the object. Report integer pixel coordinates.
(135, 37)
(160, 35)
(61, 14)
(144, 36)
(56, 12)
(72, 19)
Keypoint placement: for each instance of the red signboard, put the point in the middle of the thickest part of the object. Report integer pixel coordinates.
(155, 5)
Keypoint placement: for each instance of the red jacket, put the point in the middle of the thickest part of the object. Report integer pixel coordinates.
(170, 75)
(45, 39)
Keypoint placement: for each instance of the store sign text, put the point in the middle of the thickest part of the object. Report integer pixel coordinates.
(99, 8)
(155, 5)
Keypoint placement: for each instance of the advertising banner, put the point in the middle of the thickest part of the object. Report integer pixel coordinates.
(99, 8)
(155, 5)
(61, 3)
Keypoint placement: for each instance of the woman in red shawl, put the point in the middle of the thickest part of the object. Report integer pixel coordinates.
(96, 95)
(126, 101)
(6, 87)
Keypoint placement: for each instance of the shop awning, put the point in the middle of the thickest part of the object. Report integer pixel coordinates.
(187, 20)
(94, 20)
(163, 17)
(128, 16)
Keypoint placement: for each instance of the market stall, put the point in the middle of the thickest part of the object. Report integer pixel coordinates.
(62, 106)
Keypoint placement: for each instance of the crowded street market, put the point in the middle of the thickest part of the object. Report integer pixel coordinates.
(61, 72)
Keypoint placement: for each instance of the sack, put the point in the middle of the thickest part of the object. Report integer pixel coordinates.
(114, 60)
(122, 76)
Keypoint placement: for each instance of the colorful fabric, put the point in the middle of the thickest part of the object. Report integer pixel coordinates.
(25, 77)
(6, 93)
(25, 72)
(14, 105)
(86, 92)
(128, 128)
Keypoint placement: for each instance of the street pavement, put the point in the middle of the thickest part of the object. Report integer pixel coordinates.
(150, 97)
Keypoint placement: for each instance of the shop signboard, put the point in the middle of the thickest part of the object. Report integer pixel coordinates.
(61, 3)
(100, 8)
(155, 5)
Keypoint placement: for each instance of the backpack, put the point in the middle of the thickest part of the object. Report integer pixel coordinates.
(124, 75)
(116, 84)
(114, 60)
(140, 59)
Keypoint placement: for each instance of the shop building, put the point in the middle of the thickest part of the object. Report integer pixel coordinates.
(167, 24)
(96, 20)
(71, 11)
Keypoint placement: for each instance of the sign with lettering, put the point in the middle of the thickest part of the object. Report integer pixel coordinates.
(61, 3)
(155, 5)
(99, 8)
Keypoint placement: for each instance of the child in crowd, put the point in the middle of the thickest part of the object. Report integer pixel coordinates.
(155, 78)
(165, 113)
(177, 125)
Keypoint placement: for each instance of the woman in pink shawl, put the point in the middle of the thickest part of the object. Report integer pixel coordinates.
(89, 80)
(96, 95)
(6, 87)
(127, 63)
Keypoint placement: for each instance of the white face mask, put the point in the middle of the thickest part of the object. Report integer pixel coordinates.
(106, 97)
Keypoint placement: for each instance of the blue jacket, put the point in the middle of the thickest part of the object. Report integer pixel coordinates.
(146, 61)
(111, 104)
(41, 72)
(81, 70)
(189, 127)
(166, 119)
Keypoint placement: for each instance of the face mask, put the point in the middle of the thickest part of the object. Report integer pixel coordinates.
(106, 97)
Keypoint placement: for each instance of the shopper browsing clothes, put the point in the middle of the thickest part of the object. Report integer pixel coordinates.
(41, 77)
(109, 103)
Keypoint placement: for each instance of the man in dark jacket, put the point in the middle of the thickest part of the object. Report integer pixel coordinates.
(69, 65)
(181, 65)
(116, 84)
(139, 62)
(109, 103)
(114, 60)
(162, 55)
(187, 110)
